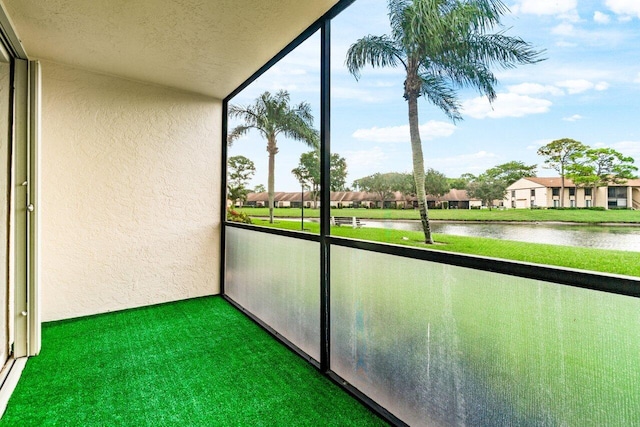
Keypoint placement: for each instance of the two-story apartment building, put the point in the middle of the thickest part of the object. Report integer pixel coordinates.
(534, 192)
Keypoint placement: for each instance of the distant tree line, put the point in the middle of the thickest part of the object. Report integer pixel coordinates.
(487, 186)
(585, 166)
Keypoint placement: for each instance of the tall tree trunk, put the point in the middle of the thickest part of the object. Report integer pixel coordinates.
(418, 166)
(272, 149)
(562, 185)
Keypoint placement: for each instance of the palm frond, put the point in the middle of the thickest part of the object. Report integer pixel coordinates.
(300, 132)
(377, 51)
(440, 93)
(465, 73)
(424, 28)
(299, 125)
(236, 133)
(480, 15)
(271, 115)
(397, 18)
(502, 50)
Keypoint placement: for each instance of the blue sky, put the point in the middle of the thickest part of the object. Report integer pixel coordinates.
(587, 89)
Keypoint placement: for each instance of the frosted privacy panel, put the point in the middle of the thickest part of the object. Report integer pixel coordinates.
(277, 279)
(444, 345)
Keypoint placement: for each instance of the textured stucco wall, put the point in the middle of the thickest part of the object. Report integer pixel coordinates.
(130, 193)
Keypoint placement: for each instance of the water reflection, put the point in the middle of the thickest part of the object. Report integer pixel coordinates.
(624, 238)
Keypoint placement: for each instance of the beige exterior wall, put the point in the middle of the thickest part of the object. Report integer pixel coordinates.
(130, 193)
(519, 196)
(522, 197)
(580, 199)
(601, 197)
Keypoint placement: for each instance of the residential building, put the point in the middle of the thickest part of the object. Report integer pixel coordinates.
(454, 199)
(534, 192)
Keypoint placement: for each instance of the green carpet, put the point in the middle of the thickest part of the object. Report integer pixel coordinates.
(194, 363)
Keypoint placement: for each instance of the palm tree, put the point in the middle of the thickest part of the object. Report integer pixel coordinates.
(272, 115)
(443, 45)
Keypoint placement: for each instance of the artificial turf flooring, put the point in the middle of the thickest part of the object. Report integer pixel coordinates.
(198, 362)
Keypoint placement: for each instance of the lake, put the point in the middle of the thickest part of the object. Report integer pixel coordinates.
(624, 238)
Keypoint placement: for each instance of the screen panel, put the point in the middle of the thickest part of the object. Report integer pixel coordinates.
(443, 345)
(273, 161)
(276, 278)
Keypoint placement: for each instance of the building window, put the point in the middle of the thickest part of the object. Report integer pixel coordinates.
(533, 193)
(555, 191)
(617, 192)
(587, 191)
(587, 203)
(572, 191)
(617, 197)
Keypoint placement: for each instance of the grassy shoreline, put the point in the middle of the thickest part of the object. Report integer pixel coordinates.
(578, 216)
(600, 260)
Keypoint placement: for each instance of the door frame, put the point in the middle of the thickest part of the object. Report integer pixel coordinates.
(25, 207)
(24, 185)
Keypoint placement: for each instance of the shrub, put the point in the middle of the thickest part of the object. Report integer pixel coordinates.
(235, 216)
(566, 208)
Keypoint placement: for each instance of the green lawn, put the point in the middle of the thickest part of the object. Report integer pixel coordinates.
(539, 215)
(606, 261)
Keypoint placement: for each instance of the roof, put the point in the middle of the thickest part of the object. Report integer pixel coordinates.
(354, 196)
(551, 182)
(207, 47)
(627, 183)
(456, 195)
(557, 182)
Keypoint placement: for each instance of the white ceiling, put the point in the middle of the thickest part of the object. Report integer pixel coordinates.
(203, 46)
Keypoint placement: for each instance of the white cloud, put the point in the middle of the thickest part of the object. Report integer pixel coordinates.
(362, 95)
(287, 70)
(535, 89)
(546, 7)
(362, 162)
(465, 163)
(505, 105)
(564, 29)
(626, 8)
(628, 148)
(382, 83)
(601, 18)
(566, 44)
(576, 86)
(538, 143)
(430, 130)
(573, 118)
(571, 35)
